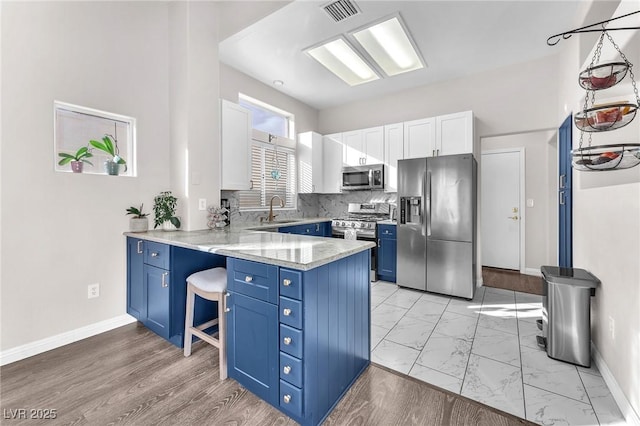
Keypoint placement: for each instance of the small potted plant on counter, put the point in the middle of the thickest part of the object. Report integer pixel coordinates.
(112, 165)
(139, 221)
(164, 211)
(77, 160)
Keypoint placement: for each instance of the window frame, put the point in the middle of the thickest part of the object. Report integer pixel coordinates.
(129, 153)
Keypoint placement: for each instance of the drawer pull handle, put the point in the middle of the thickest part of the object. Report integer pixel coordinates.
(286, 399)
(287, 340)
(154, 254)
(248, 279)
(286, 282)
(164, 284)
(286, 369)
(139, 246)
(286, 312)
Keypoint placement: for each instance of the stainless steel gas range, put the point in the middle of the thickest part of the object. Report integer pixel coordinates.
(362, 219)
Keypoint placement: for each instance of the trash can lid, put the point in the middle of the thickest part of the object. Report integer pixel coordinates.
(570, 276)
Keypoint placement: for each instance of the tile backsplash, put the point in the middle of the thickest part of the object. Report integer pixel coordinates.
(310, 205)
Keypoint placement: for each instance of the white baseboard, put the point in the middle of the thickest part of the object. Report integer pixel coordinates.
(34, 348)
(531, 271)
(627, 410)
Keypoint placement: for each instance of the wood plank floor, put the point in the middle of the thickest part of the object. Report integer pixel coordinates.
(511, 280)
(131, 376)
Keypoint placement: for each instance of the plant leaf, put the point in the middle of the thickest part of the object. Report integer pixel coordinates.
(98, 145)
(108, 145)
(65, 155)
(175, 221)
(65, 160)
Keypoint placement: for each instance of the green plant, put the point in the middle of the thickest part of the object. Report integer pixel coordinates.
(81, 155)
(137, 212)
(164, 209)
(111, 148)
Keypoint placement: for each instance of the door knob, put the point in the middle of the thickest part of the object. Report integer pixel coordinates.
(513, 217)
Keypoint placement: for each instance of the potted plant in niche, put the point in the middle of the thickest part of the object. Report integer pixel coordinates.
(139, 221)
(111, 166)
(77, 160)
(164, 211)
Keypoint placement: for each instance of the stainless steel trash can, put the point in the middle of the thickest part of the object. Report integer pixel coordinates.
(566, 313)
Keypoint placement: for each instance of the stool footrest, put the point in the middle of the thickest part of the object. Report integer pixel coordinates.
(207, 324)
(206, 337)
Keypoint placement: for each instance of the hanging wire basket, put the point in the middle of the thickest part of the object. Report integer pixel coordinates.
(604, 117)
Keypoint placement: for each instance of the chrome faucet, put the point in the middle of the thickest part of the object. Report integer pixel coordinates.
(271, 215)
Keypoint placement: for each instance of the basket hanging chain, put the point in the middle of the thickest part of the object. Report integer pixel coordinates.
(629, 64)
(591, 97)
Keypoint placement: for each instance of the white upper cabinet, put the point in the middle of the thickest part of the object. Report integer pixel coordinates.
(235, 158)
(420, 138)
(310, 163)
(393, 146)
(454, 133)
(365, 146)
(332, 152)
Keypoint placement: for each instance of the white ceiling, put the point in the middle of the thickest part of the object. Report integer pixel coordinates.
(456, 38)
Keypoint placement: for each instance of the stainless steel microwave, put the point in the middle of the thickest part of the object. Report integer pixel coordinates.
(363, 177)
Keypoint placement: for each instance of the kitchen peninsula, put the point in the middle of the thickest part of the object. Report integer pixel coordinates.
(298, 321)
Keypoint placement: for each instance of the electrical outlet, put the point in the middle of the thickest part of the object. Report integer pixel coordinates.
(202, 204)
(93, 291)
(612, 328)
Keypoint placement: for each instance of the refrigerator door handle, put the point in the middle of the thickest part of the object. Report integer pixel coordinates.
(428, 204)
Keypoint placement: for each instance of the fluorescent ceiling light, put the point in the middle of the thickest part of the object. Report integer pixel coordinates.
(339, 58)
(389, 45)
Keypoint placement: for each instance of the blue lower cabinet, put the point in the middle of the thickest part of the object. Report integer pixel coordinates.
(387, 253)
(302, 362)
(252, 345)
(319, 229)
(156, 282)
(136, 292)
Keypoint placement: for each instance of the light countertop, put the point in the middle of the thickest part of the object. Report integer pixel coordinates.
(244, 242)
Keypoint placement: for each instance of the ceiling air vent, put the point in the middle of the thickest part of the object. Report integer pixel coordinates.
(341, 10)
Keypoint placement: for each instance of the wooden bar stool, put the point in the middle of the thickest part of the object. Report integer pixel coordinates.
(210, 284)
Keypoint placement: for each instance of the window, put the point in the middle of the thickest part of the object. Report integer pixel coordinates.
(75, 126)
(272, 173)
(273, 157)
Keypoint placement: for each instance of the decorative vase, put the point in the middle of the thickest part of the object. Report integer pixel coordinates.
(139, 224)
(77, 166)
(168, 226)
(112, 168)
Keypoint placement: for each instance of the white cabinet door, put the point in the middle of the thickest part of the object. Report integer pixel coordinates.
(235, 158)
(373, 145)
(309, 156)
(393, 144)
(332, 152)
(420, 138)
(353, 153)
(454, 133)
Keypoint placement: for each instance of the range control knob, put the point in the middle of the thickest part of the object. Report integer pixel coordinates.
(353, 225)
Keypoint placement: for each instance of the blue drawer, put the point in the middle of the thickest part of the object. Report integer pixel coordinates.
(156, 254)
(291, 340)
(291, 369)
(291, 312)
(386, 231)
(291, 284)
(290, 398)
(253, 279)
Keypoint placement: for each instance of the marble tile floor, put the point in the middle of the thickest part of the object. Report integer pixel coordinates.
(485, 349)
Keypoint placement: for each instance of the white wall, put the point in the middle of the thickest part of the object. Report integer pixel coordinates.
(63, 231)
(606, 227)
(540, 183)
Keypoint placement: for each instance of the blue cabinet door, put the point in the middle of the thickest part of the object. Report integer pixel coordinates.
(387, 252)
(156, 283)
(252, 345)
(136, 294)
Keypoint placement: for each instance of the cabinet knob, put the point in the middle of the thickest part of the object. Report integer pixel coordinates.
(154, 254)
(286, 369)
(286, 312)
(248, 279)
(286, 282)
(287, 340)
(286, 399)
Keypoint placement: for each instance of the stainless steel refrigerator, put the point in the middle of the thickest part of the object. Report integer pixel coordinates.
(437, 224)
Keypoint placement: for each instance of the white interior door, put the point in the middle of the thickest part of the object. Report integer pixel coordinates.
(500, 208)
